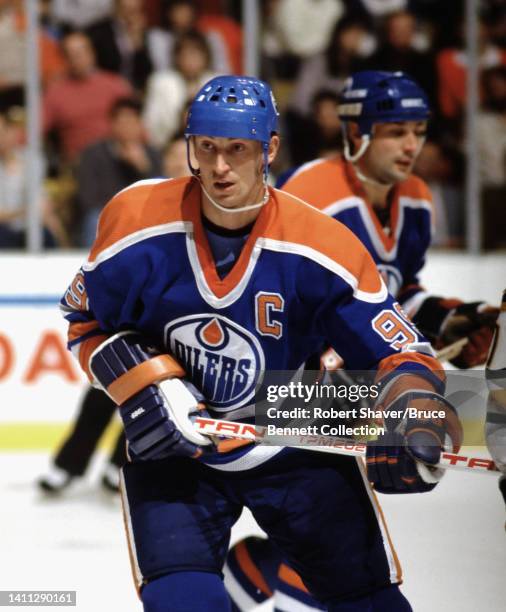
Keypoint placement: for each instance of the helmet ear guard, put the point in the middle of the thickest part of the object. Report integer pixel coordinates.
(194, 171)
(374, 96)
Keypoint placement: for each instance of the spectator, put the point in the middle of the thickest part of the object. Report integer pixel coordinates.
(120, 43)
(153, 11)
(401, 48)
(113, 163)
(491, 131)
(328, 134)
(440, 23)
(493, 13)
(436, 168)
(297, 29)
(228, 31)
(349, 44)
(305, 26)
(180, 17)
(13, 192)
(46, 22)
(12, 188)
(318, 135)
(13, 54)
(174, 162)
(79, 14)
(72, 457)
(492, 128)
(380, 8)
(77, 106)
(451, 66)
(169, 90)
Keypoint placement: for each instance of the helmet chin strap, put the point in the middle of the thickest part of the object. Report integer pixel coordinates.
(241, 209)
(366, 179)
(353, 159)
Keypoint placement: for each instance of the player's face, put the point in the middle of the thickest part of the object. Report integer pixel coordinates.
(393, 150)
(231, 169)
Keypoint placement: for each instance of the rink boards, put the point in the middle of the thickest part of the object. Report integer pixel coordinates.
(40, 383)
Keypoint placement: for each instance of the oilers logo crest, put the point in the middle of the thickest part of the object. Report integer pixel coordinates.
(222, 359)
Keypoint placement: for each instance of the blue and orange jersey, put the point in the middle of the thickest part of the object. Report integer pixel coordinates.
(301, 282)
(331, 185)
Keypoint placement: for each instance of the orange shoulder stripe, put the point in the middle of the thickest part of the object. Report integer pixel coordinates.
(415, 187)
(302, 225)
(138, 207)
(319, 183)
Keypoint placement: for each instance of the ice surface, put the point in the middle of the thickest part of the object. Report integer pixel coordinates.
(451, 542)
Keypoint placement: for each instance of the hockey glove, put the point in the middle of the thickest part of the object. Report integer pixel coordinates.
(403, 459)
(155, 404)
(446, 321)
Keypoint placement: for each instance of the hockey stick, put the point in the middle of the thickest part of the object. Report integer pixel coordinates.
(328, 444)
(452, 350)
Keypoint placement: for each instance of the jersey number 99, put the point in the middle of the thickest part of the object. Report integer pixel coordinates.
(394, 328)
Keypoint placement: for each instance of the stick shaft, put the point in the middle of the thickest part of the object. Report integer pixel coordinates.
(330, 444)
(452, 350)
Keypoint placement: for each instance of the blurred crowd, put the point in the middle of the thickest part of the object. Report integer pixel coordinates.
(117, 75)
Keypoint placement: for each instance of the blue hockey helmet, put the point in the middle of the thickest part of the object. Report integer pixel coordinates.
(234, 107)
(374, 96)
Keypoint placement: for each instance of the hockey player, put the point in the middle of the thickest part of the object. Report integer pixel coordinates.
(495, 429)
(371, 189)
(74, 454)
(194, 288)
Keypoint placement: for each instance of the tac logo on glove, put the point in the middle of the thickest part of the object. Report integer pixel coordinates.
(137, 413)
(222, 359)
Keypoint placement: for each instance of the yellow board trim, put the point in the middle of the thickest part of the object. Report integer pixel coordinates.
(46, 436)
